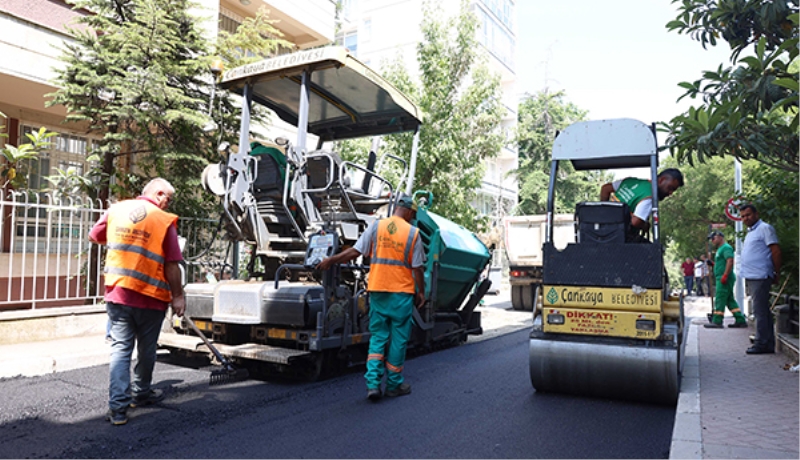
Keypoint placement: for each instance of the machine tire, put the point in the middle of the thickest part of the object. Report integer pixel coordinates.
(516, 297)
(527, 297)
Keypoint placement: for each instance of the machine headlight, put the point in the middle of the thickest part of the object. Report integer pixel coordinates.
(555, 318)
(646, 324)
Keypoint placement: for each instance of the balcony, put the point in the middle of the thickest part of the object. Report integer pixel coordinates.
(308, 23)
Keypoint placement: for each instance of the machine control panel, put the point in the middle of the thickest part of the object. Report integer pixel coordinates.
(320, 246)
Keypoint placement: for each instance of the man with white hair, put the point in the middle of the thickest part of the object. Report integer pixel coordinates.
(142, 277)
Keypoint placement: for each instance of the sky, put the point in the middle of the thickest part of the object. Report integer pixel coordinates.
(614, 58)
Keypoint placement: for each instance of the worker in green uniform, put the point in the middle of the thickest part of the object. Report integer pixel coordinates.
(638, 195)
(396, 285)
(723, 272)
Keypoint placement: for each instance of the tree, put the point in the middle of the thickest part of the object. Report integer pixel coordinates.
(139, 76)
(255, 39)
(749, 110)
(460, 100)
(135, 75)
(540, 117)
(687, 214)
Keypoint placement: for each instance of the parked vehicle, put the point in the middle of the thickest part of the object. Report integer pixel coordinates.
(524, 238)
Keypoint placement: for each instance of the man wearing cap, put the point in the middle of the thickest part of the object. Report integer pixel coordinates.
(638, 195)
(723, 271)
(761, 265)
(396, 284)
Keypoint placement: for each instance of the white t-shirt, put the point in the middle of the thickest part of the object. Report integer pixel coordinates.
(699, 269)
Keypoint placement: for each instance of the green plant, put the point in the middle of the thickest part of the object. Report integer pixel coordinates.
(13, 170)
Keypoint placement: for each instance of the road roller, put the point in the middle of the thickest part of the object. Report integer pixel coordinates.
(289, 206)
(607, 326)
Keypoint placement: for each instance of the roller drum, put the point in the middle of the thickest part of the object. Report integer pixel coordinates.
(643, 372)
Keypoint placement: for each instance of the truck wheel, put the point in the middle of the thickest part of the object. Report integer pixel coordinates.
(527, 297)
(516, 297)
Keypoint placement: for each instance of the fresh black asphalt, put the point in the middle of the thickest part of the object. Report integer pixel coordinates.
(472, 401)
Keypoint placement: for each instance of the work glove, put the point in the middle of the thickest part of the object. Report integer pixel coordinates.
(724, 279)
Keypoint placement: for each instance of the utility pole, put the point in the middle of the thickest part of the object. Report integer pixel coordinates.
(738, 289)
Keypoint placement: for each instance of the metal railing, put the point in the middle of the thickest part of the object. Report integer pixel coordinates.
(47, 260)
(787, 313)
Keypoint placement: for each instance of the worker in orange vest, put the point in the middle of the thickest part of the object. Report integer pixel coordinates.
(142, 277)
(396, 284)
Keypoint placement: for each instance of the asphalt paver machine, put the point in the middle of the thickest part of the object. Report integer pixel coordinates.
(295, 210)
(607, 326)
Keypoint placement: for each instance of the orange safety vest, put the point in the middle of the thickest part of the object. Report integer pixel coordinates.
(392, 252)
(135, 240)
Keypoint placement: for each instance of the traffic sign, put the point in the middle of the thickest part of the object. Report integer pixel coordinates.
(732, 208)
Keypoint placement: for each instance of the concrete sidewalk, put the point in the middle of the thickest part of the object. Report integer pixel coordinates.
(733, 405)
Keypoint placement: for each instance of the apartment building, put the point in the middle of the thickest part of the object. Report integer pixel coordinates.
(378, 31)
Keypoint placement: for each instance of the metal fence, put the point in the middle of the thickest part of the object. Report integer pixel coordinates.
(46, 259)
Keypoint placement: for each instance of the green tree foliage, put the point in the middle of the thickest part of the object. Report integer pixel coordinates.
(540, 117)
(255, 39)
(135, 76)
(138, 75)
(749, 109)
(686, 215)
(17, 157)
(460, 100)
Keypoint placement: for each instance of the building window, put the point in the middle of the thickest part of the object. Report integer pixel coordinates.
(349, 9)
(66, 151)
(350, 41)
(495, 37)
(366, 30)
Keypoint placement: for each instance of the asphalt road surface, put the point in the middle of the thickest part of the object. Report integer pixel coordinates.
(472, 401)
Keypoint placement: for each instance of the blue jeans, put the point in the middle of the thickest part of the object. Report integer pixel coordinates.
(131, 326)
(689, 282)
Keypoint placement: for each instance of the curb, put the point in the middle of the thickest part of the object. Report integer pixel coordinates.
(687, 433)
(49, 357)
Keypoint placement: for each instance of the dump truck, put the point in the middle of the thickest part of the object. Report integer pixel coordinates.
(524, 237)
(607, 325)
(293, 206)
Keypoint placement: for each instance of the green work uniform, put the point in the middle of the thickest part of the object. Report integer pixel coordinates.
(632, 190)
(389, 316)
(724, 297)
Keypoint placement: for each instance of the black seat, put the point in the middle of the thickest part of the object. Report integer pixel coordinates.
(269, 171)
(602, 222)
(319, 169)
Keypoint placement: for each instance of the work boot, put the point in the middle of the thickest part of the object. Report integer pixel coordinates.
(738, 324)
(117, 417)
(401, 390)
(152, 397)
(713, 326)
(373, 394)
(750, 351)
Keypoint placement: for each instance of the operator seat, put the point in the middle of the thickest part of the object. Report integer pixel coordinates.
(268, 190)
(602, 222)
